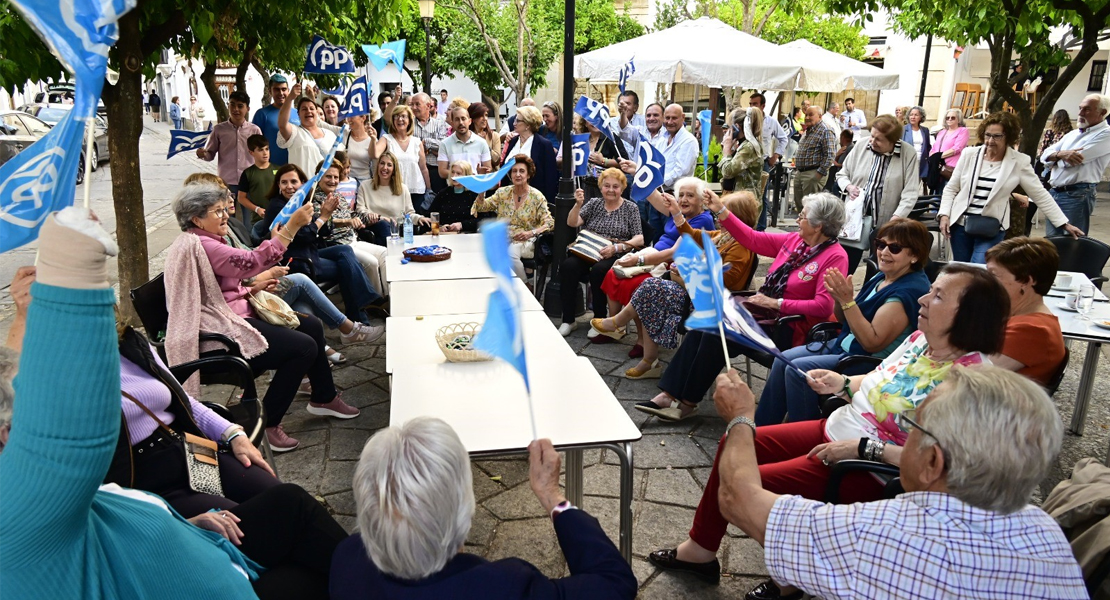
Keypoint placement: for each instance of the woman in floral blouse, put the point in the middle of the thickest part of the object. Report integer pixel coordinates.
(525, 208)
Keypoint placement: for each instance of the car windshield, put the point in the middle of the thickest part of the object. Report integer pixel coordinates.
(51, 115)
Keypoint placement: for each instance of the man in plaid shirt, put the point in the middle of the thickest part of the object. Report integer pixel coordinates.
(964, 529)
(814, 157)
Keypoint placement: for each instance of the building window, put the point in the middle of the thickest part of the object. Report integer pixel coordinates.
(1098, 76)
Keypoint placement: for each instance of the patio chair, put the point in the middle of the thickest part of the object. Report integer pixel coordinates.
(1085, 255)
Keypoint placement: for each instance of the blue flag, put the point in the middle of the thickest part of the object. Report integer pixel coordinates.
(182, 140)
(483, 183)
(341, 91)
(705, 117)
(501, 335)
(649, 175)
(382, 55)
(327, 58)
(580, 148)
(596, 114)
(299, 196)
(627, 69)
(43, 178)
(357, 100)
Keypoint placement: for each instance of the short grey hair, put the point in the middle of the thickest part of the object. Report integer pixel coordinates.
(414, 496)
(825, 212)
(698, 185)
(959, 115)
(918, 109)
(1103, 101)
(1000, 434)
(9, 364)
(194, 200)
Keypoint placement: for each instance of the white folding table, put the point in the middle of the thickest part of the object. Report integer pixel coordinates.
(451, 296)
(461, 265)
(457, 242)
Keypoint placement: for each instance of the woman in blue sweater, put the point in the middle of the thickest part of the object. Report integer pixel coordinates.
(65, 535)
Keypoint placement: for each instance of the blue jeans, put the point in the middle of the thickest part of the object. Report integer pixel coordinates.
(307, 297)
(1077, 206)
(338, 263)
(761, 224)
(177, 123)
(787, 394)
(966, 248)
(657, 221)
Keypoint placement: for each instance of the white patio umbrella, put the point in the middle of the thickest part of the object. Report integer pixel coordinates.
(845, 72)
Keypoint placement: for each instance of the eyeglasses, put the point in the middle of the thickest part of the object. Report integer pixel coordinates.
(220, 212)
(894, 248)
(994, 136)
(906, 424)
(950, 118)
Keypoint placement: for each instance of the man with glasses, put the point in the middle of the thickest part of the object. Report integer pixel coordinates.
(266, 119)
(976, 450)
(1077, 162)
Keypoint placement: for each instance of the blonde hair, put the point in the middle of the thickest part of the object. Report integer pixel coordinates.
(744, 205)
(401, 108)
(459, 102)
(395, 185)
(205, 178)
(613, 173)
(531, 117)
(467, 169)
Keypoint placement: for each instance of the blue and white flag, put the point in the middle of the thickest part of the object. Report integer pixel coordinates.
(596, 114)
(357, 100)
(382, 55)
(483, 183)
(580, 149)
(43, 178)
(627, 69)
(299, 196)
(327, 58)
(182, 140)
(341, 91)
(649, 174)
(501, 335)
(705, 118)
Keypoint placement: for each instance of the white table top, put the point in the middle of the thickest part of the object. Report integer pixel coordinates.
(451, 296)
(487, 405)
(411, 341)
(457, 242)
(1073, 328)
(1078, 279)
(461, 265)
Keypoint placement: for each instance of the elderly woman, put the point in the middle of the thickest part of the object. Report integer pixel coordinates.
(886, 171)
(742, 151)
(1034, 343)
(975, 210)
(611, 217)
(875, 322)
(407, 151)
(914, 134)
(344, 225)
(525, 208)
(545, 173)
(659, 305)
(603, 155)
(947, 148)
(55, 509)
(309, 142)
(414, 498)
(453, 202)
(479, 124)
(204, 292)
(961, 322)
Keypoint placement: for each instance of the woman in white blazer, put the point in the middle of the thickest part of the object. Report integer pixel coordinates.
(980, 189)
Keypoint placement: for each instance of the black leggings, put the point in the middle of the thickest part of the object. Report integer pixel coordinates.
(291, 354)
(695, 365)
(575, 270)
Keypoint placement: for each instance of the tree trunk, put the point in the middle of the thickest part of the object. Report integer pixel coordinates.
(258, 66)
(124, 103)
(495, 108)
(241, 70)
(208, 77)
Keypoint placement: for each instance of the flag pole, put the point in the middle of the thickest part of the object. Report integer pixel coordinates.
(89, 130)
(527, 383)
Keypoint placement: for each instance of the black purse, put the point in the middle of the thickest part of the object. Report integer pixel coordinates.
(980, 226)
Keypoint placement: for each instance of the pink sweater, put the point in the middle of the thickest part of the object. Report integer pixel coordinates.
(946, 140)
(232, 265)
(805, 289)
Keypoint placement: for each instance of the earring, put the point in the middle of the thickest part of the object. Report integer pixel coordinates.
(1021, 291)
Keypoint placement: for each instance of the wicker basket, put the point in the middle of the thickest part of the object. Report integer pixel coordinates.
(446, 339)
(443, 254)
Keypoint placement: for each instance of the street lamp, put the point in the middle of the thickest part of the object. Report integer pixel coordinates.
(427, 12)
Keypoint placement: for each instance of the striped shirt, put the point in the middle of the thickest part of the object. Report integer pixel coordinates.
(984, 183)
(876, 179)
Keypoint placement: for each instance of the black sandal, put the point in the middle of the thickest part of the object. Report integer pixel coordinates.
(667, 559)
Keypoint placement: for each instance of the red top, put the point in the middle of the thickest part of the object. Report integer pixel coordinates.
(1035, 340)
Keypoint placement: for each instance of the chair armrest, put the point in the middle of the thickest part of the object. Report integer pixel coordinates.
(783, 335)
(233, 365)
(232, 347)
(823, 332)
(1098, 281)
(844, 467)
(857, 364)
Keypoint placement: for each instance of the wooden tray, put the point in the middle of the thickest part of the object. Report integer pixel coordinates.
(442, 254)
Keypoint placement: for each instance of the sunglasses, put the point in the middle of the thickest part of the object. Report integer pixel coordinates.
(950, 118)
(894, 248)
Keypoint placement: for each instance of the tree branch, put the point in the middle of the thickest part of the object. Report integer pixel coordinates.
(767, 15)
(156, 36)
(471, 12)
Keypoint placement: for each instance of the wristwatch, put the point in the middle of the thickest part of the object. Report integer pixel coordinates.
(565, 505)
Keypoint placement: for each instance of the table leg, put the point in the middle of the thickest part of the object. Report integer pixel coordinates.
(1083, 395)
(574, 477)
(624, 453)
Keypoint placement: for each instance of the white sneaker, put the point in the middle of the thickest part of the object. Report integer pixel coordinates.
(362, 334)
(566, 328)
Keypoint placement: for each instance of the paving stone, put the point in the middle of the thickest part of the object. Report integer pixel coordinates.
(612, 382)
(347, 522)
(677, 451)
(303, 466)
(298, 420)
(701, 475)
(669, 585)
(604, 480)
(607, 513)
(374, 365)
(642, 569)
(672, 486)
(616, 353)
(660, 526)
(484, 487)
(382, 382)
(370, 418)
(517, 503)
(710, 427)
(639, 418)
(350, 376)
(356, 352)
(342, 503)
(636, 389)
(366, 394)
(604, 366)
(743, 556)
(482, 528)
(512, 471)
(346, 444)
(338, 476)
(532, 540)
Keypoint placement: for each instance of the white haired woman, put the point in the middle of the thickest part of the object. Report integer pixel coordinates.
(415, 500)
(947, 148)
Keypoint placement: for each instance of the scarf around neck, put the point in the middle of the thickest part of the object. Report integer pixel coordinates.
(775, 285)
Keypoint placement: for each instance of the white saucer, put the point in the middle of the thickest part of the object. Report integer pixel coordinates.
(1064, 306)
(1100, 324)
(1073, 288)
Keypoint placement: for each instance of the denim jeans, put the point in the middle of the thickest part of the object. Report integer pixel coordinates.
(761, 224)
(966, 248)
(657, 221)
(787, 394)
(1077, 206)
(338, 263)
(307, 297)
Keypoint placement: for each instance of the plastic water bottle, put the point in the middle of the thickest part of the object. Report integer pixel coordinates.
(408, 229)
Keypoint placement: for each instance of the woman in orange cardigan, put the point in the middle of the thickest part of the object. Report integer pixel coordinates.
(659, 305)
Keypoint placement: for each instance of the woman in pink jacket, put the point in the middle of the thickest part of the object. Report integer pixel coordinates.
(950, 143)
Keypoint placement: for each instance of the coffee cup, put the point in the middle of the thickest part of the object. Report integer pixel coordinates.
(1063, 281)
(1071, 301)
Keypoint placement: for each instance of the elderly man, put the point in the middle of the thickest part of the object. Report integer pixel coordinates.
(229, 141)
(266, 118)
(430, 129)
(414, 498)
(510, 123)
(831, 119)
(977, 449)
(463, 145)
(1077, 162)
(814, 157)
(772, 130)
(680, 150)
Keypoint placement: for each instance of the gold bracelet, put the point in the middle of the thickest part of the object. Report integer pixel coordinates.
(287, 238)
(847, 305)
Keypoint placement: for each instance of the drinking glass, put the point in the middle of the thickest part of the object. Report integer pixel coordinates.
(435, 223)
(394, 229)
(1086, 301)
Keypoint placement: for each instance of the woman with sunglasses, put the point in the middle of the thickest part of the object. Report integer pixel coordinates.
(875, 322)
(961, 322)
(950, 144)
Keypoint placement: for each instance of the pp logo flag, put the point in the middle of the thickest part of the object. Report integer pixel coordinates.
(705, 118)
(483, 183)
(298, 198)
(357, 100)
(184, 141)
(580, 148)
(341, 91)
(627, 69)
(327, 58)
(649, 175)
(700, 268)
(597, 114)
(389, 52)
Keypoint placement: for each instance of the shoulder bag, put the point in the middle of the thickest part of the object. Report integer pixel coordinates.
(273, 310)
(980, 226)
(588, 246)
(200, 456)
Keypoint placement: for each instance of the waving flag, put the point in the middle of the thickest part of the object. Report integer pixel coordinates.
(501, 335)
(627, 69)
(596, 114)
(357, 100)
(43, 178)
(298, 198)
(580, 149)
(649, 175)
(327, 58)
(380, 56)
(341, 91)
(182, 140)
(483, 183)
(705, 117)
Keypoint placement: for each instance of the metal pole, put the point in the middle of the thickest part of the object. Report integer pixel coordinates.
(564, 200)
(428, 57)
(925, 69)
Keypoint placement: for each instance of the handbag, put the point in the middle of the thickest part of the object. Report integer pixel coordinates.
(856, 232)
(980, 226)
(273, 310)
(528, 249)
(200, 456)
(588, 245)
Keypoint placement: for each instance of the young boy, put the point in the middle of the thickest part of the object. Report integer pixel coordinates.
(256, 181)
(348, 187)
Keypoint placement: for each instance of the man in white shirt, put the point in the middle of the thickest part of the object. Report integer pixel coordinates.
(462, 145)
(772, 131)
(441, 106)
(680, 150)
(628, 117)
(853, 118)
(831, 119)
(652, 130)
(1077, 162)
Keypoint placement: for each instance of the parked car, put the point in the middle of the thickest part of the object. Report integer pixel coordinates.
(62, 93)
(17, 131)
(52, 113)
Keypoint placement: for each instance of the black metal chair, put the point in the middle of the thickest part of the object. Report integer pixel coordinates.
(1085, 255)
(540, 263)
(933, 269)
(889, 474)
(224, 366)
(926, 211)
(1054, 383)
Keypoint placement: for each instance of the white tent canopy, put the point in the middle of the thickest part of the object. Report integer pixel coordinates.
(853, 73)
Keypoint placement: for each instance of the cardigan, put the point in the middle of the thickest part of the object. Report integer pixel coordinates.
(382, 201)
(901, 185)
(62, 536)
(926, 147)
(946, 140)
(906, 289)
(741, 260)
(453, 205)
(1016, 171)
(546, 179)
